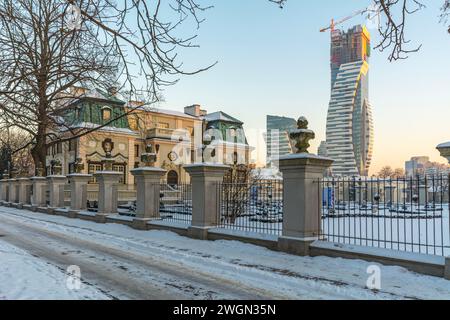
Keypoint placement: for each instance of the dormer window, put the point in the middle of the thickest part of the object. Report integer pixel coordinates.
(106, 113)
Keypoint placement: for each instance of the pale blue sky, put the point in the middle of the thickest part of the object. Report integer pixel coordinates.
(275, 61)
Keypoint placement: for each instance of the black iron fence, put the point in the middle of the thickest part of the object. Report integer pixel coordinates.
(407, 214)
(254, 207)
(176, 202)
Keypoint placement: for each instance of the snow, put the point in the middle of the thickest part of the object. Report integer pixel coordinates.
(23, 276)
(444, 145)
(421, 233)
(90, 125)
(284, 276)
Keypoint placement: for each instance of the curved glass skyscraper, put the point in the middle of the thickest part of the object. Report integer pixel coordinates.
(349, 121)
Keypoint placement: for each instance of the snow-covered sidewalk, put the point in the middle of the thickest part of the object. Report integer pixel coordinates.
(245, 267)
(23, 276)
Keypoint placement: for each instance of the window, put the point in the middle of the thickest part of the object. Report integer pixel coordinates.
(106, 113)
(59, 147)
(72, 145)
(120, 168)
(136, 151)
(93, 168)
(133, 121)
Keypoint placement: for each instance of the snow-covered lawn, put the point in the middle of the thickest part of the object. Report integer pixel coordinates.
(407, 232)
(23, 276)
(281, 275)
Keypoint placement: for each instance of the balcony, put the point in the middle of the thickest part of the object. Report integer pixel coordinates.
(168, 134)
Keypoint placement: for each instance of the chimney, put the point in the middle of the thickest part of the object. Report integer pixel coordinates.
(112, 91)
(194, 110)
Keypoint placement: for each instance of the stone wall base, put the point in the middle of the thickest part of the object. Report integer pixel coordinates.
(100, 217)
(200, 233)
(140, 224)
(297, 246)
(447, 268)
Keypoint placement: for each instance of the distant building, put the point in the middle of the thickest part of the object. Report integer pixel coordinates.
(225, 139)
(322, 150)
(349, 130)
(277, 137)
(422, 166)
(416, 166)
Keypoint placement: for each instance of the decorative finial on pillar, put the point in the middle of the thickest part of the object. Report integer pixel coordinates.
(39, 171)
(57, 167)
(79, 165)
(149, 157)
(300, 137)
(108, 146)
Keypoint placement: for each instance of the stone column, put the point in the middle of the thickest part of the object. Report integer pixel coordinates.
(56, 185)
(447, 268)
(107, 193)
(12, 191)
(24, 191)
(39, 189)
(148, 191)
(205, 179)
(4, 191)
(78, 192)
(302, 200)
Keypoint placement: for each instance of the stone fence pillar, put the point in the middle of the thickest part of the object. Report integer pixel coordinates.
(4, 190)
(12, 191)
(302, 200)
(147, 197)
(107, 193)
(78, 192)
(205, 179)
(56, 185)
(39, 190)
(24, 191)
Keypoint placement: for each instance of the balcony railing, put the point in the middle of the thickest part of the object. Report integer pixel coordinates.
(165, 133)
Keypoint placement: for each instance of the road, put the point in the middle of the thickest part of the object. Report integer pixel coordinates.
(127, 264)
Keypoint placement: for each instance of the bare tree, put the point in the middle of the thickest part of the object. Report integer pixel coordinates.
(50, 46)
(385, 172)
(20, 162)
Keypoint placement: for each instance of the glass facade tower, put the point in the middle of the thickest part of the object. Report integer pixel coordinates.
(349, 138)
(277, 137)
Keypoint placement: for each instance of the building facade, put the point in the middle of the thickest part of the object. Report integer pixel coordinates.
(422, 166)
(349, 130)
(176, 137)
(277, 138)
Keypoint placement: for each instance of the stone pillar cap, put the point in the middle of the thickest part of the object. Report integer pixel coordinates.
(304, 156)
(54, 176)
(206, 165)
(107, 173)
(38, 178)
(79, 175)
(147, 170)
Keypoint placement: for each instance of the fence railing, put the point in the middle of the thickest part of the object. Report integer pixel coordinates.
(254, 207)
(176, 203)
(406, 214)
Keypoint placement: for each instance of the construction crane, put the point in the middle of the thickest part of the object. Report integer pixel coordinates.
(359, 12)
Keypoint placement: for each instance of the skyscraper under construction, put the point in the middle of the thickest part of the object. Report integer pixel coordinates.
(349, 137)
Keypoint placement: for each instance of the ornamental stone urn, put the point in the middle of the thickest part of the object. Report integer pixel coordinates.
(149, 157)
(299, 138)
(444, 149)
